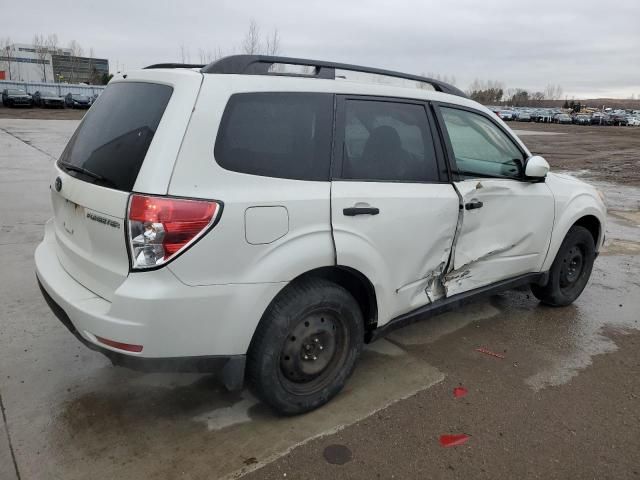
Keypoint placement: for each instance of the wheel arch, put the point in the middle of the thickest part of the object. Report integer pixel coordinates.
(582, 211)
(591, 223)
(355, 283)
(349, 278)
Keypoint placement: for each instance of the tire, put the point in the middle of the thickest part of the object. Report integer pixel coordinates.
(305, 347)
(570, 270)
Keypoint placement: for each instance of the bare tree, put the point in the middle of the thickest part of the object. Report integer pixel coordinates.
(185, 56)
(76, 51)
(218, 53)
(486, 92)
(52, 43)
(272, 43)
(553, 92)
(94, 78)
(52, 47)
(537, 96)
(211, 56)
(7, 52)
(251, 44)
(40, 46)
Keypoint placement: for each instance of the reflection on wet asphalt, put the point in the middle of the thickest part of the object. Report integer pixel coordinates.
(71, 414)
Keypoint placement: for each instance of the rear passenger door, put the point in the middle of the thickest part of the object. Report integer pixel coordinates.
(393, 212)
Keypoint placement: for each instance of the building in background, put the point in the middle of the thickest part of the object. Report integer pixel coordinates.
(24, 63)
(70, 69)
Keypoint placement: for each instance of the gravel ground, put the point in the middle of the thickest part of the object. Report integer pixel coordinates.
(606, 153)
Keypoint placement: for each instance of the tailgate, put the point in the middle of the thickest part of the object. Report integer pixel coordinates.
(90, 233)
(128, 141)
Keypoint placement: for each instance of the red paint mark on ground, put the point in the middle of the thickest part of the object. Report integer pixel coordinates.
(489, 352)
(453, 440)
(459, 392)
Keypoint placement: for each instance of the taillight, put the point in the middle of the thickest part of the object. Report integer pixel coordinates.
(162, 227)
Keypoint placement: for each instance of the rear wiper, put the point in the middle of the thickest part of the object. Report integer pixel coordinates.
(74, 168)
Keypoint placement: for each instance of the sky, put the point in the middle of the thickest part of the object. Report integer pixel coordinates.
(589, 47)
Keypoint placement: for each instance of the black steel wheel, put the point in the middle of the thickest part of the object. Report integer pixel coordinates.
(306, 346)
(313, 351)
(570, 271)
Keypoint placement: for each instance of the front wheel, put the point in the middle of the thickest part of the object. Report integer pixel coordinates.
(305, 347)
(570, 270)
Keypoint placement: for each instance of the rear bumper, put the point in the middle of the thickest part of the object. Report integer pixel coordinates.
(180, 327)
(231, 367)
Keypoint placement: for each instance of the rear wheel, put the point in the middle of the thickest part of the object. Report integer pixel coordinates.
(305, 347)
(570, 270)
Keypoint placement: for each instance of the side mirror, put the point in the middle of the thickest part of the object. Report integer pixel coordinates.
(536, 167)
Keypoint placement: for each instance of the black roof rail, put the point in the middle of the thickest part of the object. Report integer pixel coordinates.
(260, 65)
(174, 65)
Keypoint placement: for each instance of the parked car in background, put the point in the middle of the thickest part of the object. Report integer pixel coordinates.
(76, 100)
(16, 97)
(524, 117)
(93, 98)
(633, 121)
(544, 116)
(506, 115)
(582, 119)
(599, 118)
(219, 218)
(619, 119)
(48, 98)
(562, 118)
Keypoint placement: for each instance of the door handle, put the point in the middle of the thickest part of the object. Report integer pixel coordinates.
(473, 205)
(353, 211)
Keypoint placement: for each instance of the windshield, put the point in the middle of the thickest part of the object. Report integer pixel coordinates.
(79, 97)
(114, 136)
(48, 93)
(16, 92)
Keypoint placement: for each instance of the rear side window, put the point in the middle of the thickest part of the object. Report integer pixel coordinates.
(110, 145)
(284, 135)
(387, 141)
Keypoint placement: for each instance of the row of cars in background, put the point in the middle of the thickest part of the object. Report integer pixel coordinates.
(15, 97)
(563, 116)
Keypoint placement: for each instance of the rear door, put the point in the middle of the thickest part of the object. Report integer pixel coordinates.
(129, 130)
(507, 219)
(393, 212)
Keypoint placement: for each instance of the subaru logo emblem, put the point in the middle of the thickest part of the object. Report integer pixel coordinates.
(58, 184)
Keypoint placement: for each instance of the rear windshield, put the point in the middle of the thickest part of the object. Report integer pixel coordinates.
(110, 145)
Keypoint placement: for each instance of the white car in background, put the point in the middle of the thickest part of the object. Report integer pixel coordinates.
(633, 121)
(225, 217)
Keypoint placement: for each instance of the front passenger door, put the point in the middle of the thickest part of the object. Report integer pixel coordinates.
(506, 219)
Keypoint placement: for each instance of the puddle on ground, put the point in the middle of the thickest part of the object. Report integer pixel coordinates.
(611, 302)
(201, 428)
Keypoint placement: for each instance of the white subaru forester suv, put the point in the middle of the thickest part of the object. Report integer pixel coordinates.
(263, 224)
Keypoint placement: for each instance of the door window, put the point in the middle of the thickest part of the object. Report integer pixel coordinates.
(480, 148)
(284, 135)
(387, 141)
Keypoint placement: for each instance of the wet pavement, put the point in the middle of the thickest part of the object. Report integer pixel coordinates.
(562, 403)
